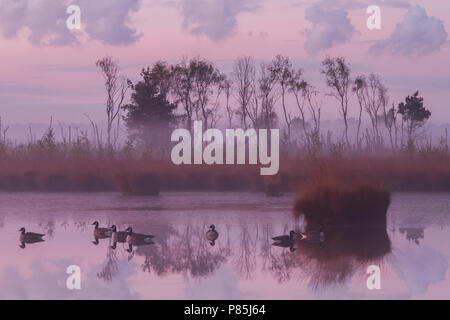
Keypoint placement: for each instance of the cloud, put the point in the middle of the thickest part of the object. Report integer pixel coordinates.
(330, 26)
(396, 3)
(45, 21)
(420, 268)
(108, 20)
(47, 281)
(217, 19)
(417, 34)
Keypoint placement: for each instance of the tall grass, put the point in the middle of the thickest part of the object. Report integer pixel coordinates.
(332, 204)
(82, 166)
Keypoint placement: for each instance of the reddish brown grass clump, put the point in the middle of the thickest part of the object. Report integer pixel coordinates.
(329, 204)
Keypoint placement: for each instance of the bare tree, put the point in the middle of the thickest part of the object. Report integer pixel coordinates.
(312, 96)
(116, 88)
(244, 77)
(183, 88)
(390, 120)
(227, 86)
(281, 69)
(337, 73)
(297, 86)
(309, 101)
(358, 88)
(372, 96)
(3, 132)
(207, 80)
(268, 95)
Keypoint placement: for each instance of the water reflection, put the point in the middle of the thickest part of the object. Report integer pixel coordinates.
(48, 228)
(413, 234)
(322, 258)
(344, 252)
(29, 238)
(110, 266)
(243, 255)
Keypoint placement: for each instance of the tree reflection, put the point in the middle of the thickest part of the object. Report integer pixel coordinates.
(49, 228)
(184, 251)
(110, 266)
(245, 258)
(344, 252)
(277, 261)
(413, 234)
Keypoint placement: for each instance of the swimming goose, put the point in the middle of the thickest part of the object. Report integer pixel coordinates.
(288, 240)
(137, 239)
(29, 237)
(118, 236)
(212, 235)
(285, 238)
(101, 233)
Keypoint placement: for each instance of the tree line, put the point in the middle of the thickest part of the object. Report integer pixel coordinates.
(169, 95)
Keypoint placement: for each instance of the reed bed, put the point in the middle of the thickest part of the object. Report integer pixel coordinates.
(85, 168)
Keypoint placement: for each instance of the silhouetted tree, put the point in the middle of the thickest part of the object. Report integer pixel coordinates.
(281, 70)
(337, 73)
(183, 89)
(227, 87)
(150, 115)
(116, 88)
(372, 96)
(414, 115)
(358, 88)
(207, 84)
(266, 116)
(390, 120)
(244, 77)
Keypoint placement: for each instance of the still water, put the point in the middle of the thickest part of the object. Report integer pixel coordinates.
(413, 253)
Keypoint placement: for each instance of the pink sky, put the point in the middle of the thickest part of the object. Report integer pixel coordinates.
(39, 81)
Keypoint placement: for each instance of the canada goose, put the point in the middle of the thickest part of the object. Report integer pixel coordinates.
(212, 235)
(118, 236)
(101, 233)
(29, 237)
(285, 238)
(288, 241)
(137, 239)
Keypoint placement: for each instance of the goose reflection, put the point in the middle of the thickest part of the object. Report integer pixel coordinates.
(212, 235)
(100, 233)
(29, 237)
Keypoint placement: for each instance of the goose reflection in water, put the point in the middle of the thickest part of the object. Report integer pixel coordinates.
(29, 237)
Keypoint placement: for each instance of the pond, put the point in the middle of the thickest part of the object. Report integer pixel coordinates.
(412, 253)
